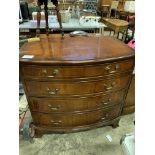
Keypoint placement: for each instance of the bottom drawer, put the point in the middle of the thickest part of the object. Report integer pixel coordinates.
(78, 119)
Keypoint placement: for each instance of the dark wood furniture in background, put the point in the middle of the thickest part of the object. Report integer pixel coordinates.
(75, 84)
(117, 25)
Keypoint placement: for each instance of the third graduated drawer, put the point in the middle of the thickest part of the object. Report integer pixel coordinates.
(75, 104)
(84, 71)
(52, 88)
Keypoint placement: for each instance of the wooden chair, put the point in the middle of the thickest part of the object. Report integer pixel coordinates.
(129, 33)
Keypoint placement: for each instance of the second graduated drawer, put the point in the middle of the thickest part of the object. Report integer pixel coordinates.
(54, 105)
(43, 88)
(52, 72)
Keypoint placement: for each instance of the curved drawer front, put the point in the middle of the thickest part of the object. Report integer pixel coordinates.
(75, 88)
(50, 72)
(53, 105)
(71, 120)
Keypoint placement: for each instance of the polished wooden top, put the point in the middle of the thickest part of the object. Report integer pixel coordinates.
(116, 22)
(52, 49)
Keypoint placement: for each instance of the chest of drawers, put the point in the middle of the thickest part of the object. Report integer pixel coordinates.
(77, 83)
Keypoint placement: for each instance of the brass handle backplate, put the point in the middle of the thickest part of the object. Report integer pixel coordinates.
(54, 73)
(106, 102)
(52, 92)
(54, 108)
(104, 117)
(112, 85)
(109, 68)
(44, 71)
(56, 122)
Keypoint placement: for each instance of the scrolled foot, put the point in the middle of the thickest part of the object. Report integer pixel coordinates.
(38, 134)
(115, 124)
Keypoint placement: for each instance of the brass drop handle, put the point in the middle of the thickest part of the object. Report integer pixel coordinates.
(54, 108)
(106, 102)
(110, 87)
(52, 92)
(44, 71)
(54, 73)
(103, 118)
(108, 68)
(56, 122)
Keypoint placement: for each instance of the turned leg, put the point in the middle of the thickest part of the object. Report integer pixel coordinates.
(118, 35)
(59, 20)
(46, 17)
(114, 33)
(110, 33)
(115, 124)
(125, 35)
(38, 19)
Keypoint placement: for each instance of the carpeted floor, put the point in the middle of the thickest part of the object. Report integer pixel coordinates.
(92, 142)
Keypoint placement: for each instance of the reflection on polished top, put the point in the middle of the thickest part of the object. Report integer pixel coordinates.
(52, 49)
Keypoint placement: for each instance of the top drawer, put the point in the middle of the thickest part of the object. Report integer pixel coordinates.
(41, 72)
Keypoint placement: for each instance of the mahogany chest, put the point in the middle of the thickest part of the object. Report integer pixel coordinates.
(77, 83)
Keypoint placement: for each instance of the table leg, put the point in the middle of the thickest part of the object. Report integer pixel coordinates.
(110, 33)
(126, 34)
(117, 35)
(38, 19)
(114, 33)
(59, 20)
(133, 32)
(102, 30)
(46, 17)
